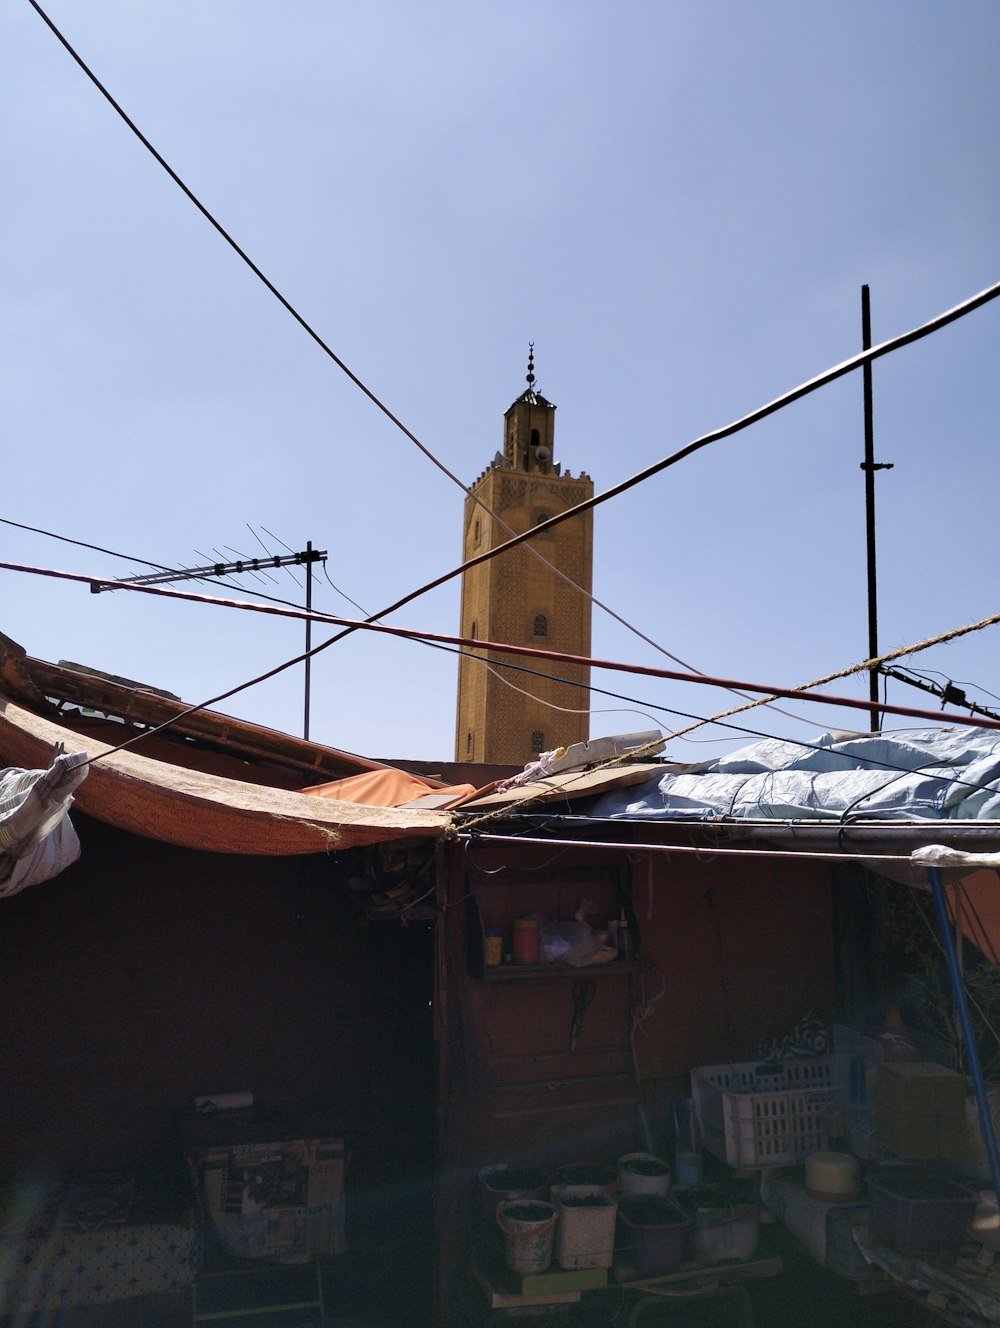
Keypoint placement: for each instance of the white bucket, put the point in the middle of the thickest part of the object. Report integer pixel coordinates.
(527, 1240)
(643, 1173)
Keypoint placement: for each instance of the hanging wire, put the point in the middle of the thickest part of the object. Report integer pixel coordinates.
(865, 357)
(803, 693)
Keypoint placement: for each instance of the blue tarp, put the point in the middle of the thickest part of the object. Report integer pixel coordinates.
(933, 775)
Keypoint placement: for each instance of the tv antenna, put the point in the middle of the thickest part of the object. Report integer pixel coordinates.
(304, 558)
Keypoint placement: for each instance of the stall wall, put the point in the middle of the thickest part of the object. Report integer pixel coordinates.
(743, 948)
(145, 975)
(735, 949)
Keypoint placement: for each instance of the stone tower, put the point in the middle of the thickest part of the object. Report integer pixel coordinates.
(515, 597)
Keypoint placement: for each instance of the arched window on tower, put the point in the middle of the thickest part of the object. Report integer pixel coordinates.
(538, 741)
(541, 627)
(470, 746)
(535, 438)
(477, 534)
(474, 631)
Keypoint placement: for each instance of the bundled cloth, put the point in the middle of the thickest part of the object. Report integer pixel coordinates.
(37, 840)
(809, 1037)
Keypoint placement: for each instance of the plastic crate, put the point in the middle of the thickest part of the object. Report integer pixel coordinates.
(769, 1113)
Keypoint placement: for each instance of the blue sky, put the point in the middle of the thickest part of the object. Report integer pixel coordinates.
(678, 203)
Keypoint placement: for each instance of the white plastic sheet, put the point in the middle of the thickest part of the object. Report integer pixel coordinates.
(37, 840)
(934, 775)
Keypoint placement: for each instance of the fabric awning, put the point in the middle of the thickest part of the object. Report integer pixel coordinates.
(201, 811)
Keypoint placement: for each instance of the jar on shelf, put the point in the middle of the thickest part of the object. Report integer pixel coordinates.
(525, 941)
(492, 947)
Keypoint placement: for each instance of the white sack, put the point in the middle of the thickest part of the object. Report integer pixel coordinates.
(37, 840)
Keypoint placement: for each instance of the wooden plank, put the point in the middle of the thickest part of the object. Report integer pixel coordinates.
(571, 784)
(149, 709)
(15, 679)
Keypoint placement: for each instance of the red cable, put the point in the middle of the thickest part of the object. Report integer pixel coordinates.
(503, 648)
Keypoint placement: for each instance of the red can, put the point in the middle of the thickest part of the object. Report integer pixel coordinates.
(525, 941)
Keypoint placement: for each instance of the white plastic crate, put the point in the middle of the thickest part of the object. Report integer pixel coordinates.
(769, 1113)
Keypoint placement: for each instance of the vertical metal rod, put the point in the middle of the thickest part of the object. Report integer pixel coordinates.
(965, 1022)
(309, 601)
(869, 469)
(870, 506)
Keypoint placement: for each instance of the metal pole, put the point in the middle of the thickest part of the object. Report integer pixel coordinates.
(869, 469)
(309, 573)
(965, 1023)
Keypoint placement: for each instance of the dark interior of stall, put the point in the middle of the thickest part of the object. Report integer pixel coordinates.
(147, 976)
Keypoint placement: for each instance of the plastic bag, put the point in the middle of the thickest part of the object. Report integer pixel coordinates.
(572, 942)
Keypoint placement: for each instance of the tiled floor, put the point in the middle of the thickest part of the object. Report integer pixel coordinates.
(391, 1288)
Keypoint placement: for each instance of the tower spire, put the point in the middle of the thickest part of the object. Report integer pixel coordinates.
(530, 375)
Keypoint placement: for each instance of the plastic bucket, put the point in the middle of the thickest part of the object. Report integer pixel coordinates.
(643, 1173)
(528, 1226)
(582, 1176)
(500, 1182)
(651, 1233)
(585, 1235)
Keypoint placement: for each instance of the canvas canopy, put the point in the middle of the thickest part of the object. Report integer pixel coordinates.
(198, 810)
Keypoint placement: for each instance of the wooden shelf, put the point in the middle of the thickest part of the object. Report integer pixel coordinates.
(494, 901)
(535, 972)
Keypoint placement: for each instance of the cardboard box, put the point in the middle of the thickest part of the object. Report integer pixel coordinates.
(920, 1110)
(268, 1195)
(920, 1137)
(921, 1087)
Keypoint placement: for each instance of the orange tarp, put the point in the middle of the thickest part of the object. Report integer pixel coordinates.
(385, 788)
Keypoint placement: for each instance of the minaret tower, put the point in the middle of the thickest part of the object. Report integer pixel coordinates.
(515, 597)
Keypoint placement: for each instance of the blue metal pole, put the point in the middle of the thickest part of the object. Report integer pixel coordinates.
(962, 1004)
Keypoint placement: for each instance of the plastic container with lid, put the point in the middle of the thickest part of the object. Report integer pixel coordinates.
(525, 941)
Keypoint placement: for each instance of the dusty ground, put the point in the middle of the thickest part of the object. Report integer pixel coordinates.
(391, 1288)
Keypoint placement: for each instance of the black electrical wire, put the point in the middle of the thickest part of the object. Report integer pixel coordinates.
(82, 544)
(738, 728)
(311, 331)
(160, 567)
(502, 665)
(497, 664)
(847, 366)
(217, 225)
(863, 358)
(753, 417)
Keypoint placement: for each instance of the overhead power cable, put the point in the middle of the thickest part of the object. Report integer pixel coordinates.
(641, 707)
(328, 350)
(130, 558)
(507, 665)
(866, 357)
(804, 693)
(500, 668)
(715, 435)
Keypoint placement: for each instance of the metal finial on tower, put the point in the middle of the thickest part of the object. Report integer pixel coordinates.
(531, 366)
